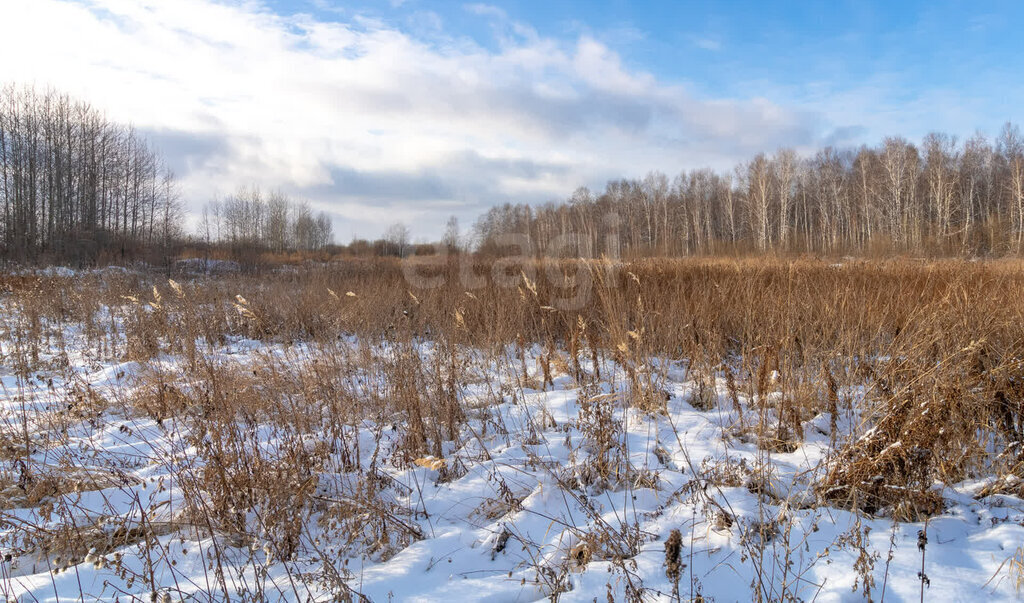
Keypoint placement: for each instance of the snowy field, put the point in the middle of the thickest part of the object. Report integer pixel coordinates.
(253, 470)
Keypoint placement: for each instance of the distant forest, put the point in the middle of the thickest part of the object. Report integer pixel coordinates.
(77, 188)
(251, 221)
(942, 197)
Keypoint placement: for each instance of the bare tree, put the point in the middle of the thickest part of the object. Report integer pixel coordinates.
(1011, 149)
(785, 162)
(397, 236)
(758, 178)
(940, 175)
(451, 234)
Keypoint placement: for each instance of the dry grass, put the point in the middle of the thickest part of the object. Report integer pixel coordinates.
(918, 367)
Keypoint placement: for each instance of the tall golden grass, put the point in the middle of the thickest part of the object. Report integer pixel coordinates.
(921, 361)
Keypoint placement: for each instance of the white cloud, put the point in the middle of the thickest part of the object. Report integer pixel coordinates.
(706, 43)
(479, 8)
(370, 122)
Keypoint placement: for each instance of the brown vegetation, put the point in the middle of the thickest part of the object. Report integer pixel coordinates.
(916, 365)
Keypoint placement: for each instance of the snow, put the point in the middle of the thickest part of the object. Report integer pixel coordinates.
(205, 266)
(499, 517)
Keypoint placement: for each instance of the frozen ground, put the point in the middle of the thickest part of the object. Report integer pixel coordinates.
(565, 492)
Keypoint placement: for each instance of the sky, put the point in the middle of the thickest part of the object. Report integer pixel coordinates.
(408, 110)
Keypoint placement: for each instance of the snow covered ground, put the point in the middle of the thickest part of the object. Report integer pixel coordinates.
(564, 492)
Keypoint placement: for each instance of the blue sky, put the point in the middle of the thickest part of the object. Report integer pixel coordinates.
(414, 110)
(789, 52)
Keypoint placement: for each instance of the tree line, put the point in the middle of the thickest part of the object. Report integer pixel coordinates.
(76, 187)
(942, 197)
(251, 220)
